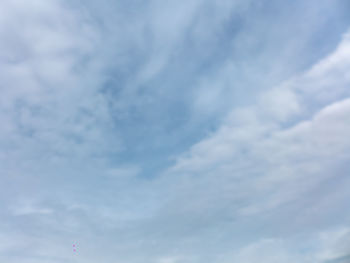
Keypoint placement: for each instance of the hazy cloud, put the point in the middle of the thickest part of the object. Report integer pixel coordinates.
(174, 132)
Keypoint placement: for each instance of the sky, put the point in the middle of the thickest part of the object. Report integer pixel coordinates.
(161, 131)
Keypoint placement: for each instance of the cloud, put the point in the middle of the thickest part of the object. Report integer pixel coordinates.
(251, 168)
(173, 132)
(334, 245)
(45, 103)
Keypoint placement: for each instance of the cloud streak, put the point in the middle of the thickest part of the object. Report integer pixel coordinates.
(174, 132)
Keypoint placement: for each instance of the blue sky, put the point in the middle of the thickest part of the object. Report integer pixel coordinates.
(175, 131)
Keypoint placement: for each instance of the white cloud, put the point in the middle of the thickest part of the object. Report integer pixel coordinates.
(322, 247)
(50, 100)
(262, 137)
(237, 190)
(29, 210)
(272, 162)
(333, 244)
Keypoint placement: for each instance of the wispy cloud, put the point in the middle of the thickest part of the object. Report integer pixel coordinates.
(174, 132)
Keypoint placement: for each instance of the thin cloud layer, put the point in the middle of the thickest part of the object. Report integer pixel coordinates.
(174, 132)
